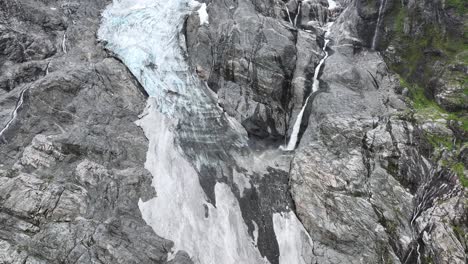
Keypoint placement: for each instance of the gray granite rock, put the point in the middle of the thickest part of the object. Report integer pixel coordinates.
(365, 182)
(71, 166)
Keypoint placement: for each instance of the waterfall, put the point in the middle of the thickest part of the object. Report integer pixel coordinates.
(315, 86)
(15, 112)
(289, 15)
(379, 21)
(64, 43)
(298, 13)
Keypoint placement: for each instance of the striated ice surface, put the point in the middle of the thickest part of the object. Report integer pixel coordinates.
(187, 133)
(181, 111)
(145, 35)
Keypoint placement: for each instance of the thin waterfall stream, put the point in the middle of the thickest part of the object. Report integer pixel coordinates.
(315, 86)
(14, 114)
(379, 22)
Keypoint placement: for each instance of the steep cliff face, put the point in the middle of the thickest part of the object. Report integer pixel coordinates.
(367, 178)
(274, 131)
(72, 160)
(426, 43)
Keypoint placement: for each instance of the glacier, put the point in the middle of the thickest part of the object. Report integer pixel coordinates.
(191, 139)
(181, 212)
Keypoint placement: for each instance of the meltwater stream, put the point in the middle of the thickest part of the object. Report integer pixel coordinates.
(14, 114)
(315, 86)
(375, 38)
(192, 145)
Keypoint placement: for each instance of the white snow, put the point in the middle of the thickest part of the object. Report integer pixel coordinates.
(178, 214)
(241, 181)
(294, 242)
(203, 14)
(332, 4)
(145, 36)
(144, 33)
(255, 232)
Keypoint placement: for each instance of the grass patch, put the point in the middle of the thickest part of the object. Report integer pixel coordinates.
(439, 142)
(459, 5)
(429, 109)
(419, 50)
(428, 260)
(400, 20)
(417, 64)
(459, 169)
(459, 231)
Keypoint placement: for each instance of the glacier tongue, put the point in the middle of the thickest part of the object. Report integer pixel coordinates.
(195, 149)
(145, 36)
(181, 212)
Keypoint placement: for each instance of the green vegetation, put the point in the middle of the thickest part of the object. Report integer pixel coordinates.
(428, 260)
(400, 20)
(447, 48)
(392, 228)
(459, 5)
(420, 49)
(459, 169)
(459, 231)
(426, 109)
(429, 109)
(416, 60)
(392, 167)
(438, 141)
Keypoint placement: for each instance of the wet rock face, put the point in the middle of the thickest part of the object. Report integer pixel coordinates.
(365, 181)
(248, 57)
(71, 166)
(363, 177)
(432, 32)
